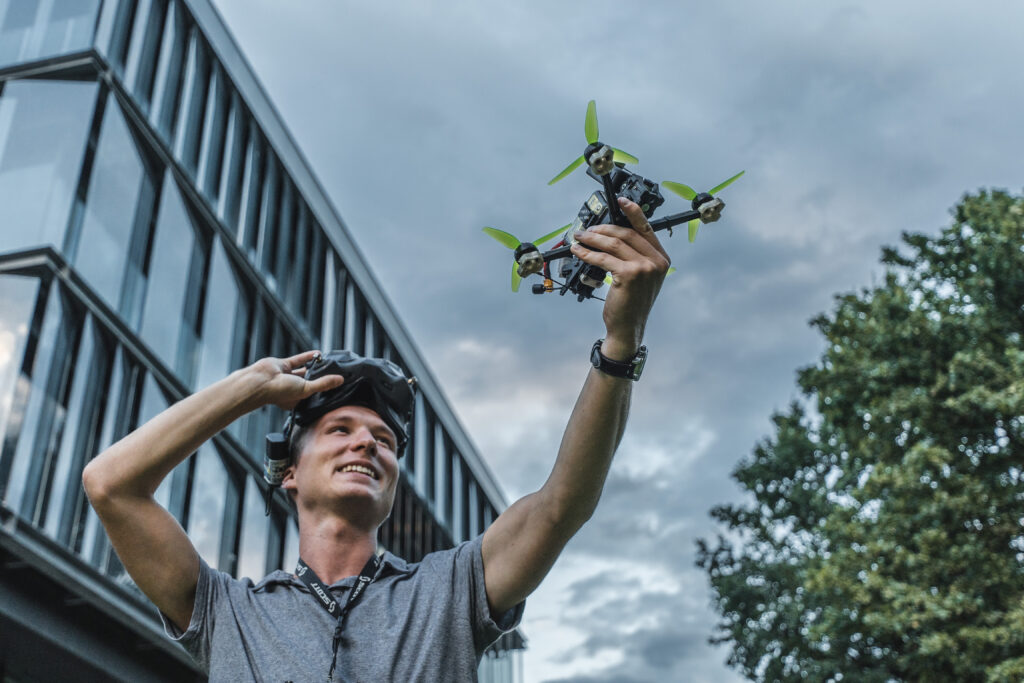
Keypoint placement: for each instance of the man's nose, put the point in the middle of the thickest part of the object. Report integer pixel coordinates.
(364, 438)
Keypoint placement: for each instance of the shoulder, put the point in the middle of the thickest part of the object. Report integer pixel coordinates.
(463, 553)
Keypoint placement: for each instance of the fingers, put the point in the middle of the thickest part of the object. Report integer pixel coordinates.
(325, 383)
(621, 251)
(640, 224)
(601, 259)
(624, 243)
(297, 364)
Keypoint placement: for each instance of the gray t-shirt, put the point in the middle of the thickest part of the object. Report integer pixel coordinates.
(416, 622)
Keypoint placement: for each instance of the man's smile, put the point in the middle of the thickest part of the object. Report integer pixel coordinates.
(359, 469)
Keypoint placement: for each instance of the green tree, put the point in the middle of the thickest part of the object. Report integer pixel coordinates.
(882, 538)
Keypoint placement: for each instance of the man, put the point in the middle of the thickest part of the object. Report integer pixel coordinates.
(427, 622)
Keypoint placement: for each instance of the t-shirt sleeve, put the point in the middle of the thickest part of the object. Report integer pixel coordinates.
(487, 627)
(197, 638)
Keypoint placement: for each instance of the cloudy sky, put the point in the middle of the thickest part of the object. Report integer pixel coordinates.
(427, 121)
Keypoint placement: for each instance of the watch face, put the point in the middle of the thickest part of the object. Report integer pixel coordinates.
(639, 362)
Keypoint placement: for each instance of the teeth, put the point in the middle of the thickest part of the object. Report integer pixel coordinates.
(359, 468)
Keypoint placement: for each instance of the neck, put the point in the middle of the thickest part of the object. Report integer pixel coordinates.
(335, 549)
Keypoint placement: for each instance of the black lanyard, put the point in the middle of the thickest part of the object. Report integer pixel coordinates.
(319, 590)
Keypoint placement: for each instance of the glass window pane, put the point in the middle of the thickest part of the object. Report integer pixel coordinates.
(143, 61)
(234, 164)
(167, 87)
(17, 299)
(115, 394)
(76, 406)
(249, 222)
(37, 402)
(143, 9)
(315, 284)
(295, 271)
(173, 246)
(215, 361)
(208, 495)
(109, 212)
(114, 31)
(280, 255)
(69, 26)
(211, 152)
(193, 105)
(44, 126)
(271, 201)
(30, 29)
(252, 546)
(327, 340)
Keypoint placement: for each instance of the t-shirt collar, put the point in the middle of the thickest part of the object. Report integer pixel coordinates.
(390, 564)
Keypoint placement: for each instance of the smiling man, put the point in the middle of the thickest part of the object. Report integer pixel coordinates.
(348, 612)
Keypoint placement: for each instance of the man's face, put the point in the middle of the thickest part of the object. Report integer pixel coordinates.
(347, 464)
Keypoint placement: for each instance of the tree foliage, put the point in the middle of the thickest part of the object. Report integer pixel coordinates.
(883, 538)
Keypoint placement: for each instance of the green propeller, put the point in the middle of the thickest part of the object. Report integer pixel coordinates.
(590, 130)
(512, 242)
(687, 192)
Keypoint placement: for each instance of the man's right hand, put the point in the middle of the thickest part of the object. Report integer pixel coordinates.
(283, 383)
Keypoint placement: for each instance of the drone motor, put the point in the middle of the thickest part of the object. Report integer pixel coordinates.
(529, 259)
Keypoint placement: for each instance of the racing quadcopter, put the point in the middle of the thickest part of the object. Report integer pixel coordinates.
(606, 165)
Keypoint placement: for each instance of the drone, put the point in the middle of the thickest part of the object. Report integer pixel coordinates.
(606, 165)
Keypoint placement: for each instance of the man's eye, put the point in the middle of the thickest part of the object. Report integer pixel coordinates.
(386, 442)
(340, 429)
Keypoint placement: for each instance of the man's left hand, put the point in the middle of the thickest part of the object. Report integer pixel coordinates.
(638, 265)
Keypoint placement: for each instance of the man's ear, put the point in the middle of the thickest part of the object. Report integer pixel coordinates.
(288, 483)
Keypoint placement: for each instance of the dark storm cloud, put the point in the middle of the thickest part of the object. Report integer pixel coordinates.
(425, 123)
(663, 648)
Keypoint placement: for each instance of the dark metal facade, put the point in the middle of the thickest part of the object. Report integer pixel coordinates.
(158, 229)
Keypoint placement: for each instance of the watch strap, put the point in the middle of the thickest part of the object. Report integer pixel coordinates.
(631, 369)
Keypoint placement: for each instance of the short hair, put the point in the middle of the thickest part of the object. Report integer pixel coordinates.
(297, 441)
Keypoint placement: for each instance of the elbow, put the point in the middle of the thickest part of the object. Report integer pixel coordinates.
(92, 482)
(570, 513)
(97, 483)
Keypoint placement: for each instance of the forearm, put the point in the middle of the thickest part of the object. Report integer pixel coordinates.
(135, 465)
(591, 437)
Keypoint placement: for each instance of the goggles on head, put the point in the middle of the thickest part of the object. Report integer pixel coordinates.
(375, 383)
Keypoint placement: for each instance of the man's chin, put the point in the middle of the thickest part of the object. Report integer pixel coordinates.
(364, 499)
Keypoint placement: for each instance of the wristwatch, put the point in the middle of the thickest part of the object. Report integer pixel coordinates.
(630, 369)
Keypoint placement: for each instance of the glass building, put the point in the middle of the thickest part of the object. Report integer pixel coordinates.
(159, 228)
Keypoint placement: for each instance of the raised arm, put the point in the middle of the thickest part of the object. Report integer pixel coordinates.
(520, 546)
(121, 481)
